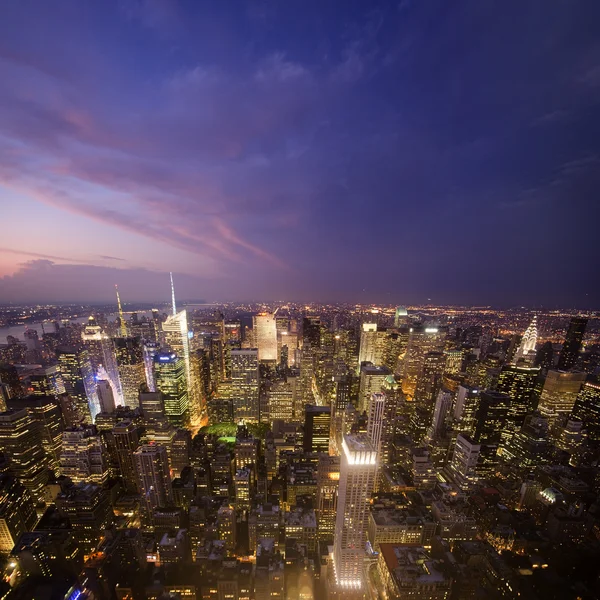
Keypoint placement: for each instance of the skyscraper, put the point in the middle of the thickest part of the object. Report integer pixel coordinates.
(560, 393)
(526, 350)
(422, 339)
(376, 415)
(152, 467)
(106, 397)
(245, 377)
(519, 382)
(171, 381)
(126, 439)
(80, 384)
(372, 379)
(102, 356)
(572, 346)
(372, 344)
(265, 332)
(401, 316)
(317, 423)
(130, 362)
(464, 461)
(357, 481)
(20, 437)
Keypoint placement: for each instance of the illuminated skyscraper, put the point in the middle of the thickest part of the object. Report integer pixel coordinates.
(560, 393)
(84, 456)
(372, 344)
(47, 381)
(526, 349)
(102, 356)
(519, 382)
(401, 316)
(317, 423)
(587, 409)
(357, 481)
(572, 346)
(130, 362)
(422, 339)
(20, 441)
(80, 384)
(17, 512)
(265, 331)
(245, 377)
(376, 416)
(328, 480)
(372, 379)
(169, 370)
(152, 467)
(464, 461)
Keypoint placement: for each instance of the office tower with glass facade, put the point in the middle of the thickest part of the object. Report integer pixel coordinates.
(372, 344)
(587, 409)
(372, 379)
(245, 379)
(559, 393)
(171, 381)
(572, 346)
(358, 465)
(130, 361)
(102, 357)
(79, 381)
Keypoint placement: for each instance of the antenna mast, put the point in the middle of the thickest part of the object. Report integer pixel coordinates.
(121, 318)
(173, 295)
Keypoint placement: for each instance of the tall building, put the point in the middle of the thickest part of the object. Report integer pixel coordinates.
(572, 346)
(79, 381)
(560, 393)
(265, 331)
(17, 512)
(526, 350)
(102, 356)
(357, 481)
(106, 397)
(520, 383)
(152, 467)
(587, 409)
(126, 440)
(171, 381)
(46, 413)
(375, 422)
(20, 441)
(245, 377)
(317, 424)
(84, 456)
(372, 379)
(422, 339)
(464, 461)
(132, 374)
(401, 316)
(328, 480)
(152, 405)
(47, 381)
(372, 344)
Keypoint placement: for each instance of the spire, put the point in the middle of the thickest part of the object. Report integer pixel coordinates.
(121, 318)
(529, 341)
(173, 295)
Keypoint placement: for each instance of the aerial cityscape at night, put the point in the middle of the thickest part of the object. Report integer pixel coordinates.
(299, 300)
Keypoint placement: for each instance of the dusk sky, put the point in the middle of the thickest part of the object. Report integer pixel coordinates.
(354, 151)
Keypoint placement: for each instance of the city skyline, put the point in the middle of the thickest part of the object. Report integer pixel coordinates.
(389, 152)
